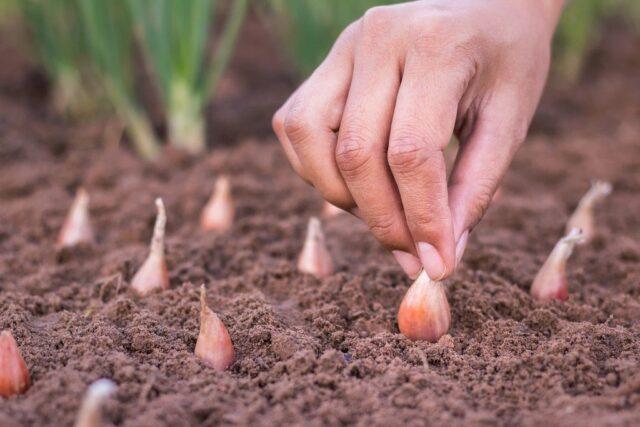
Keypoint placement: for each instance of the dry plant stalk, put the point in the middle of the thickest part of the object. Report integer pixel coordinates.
(424, 312)
(330, 210)
(214, 346)
(551, 281)
(583, 218)
(219, 211)
(14, 375)
(90, 414)
(315, 258)
(154, 274)
(77, 226)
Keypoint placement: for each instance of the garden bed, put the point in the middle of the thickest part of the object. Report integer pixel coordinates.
(312, 351)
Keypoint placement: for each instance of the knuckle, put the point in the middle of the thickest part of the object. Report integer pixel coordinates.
(424, 46)
(406, 154)
(431, 217)
(376, 21)
(382, 226)
(432, 29)
(440, 21)
(427, 222)
(421, 222)
(296, 126)
(442, 47)
(350, 31)
(442, 41)
(352, 152)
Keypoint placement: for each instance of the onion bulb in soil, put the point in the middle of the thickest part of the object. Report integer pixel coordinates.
(90, 414)
(219, 211)
(424, 312)
(551, 281)
(153, 274)
(77, 226)
(330, 210)
(315, 258)
(14, 375)
(582, 217)
(214, 346)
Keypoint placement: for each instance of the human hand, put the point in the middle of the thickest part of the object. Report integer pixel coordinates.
(368, 127)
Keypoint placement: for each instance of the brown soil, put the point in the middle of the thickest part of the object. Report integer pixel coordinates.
(309, 351)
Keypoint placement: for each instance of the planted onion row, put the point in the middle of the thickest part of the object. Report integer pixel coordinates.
(424, 313)
(213, 346)
(551, 281)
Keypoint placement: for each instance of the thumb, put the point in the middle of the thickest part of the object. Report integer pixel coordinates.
(481, 163)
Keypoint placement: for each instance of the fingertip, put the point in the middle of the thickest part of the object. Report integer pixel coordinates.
(432, 261)
(409, 263)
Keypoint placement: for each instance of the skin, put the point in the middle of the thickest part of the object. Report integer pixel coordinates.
(367, 129)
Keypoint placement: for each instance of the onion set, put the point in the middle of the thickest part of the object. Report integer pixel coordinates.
(154, 274)
(14, 375)
(315, 258)
(219, 211)
(424, 312)
(90, 414)
(551, 281)
(77, 226)
(214, 346)
(583, 218)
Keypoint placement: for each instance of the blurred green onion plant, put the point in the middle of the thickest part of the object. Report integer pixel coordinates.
(109, 36)
(578, 29)
(308, 28)
(174, 36)
(55, 29)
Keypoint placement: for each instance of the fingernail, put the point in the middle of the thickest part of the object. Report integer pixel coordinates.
(461, 246)
(432, 261)
(410, 264)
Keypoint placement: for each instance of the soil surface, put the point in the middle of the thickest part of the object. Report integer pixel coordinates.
(316, 352)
